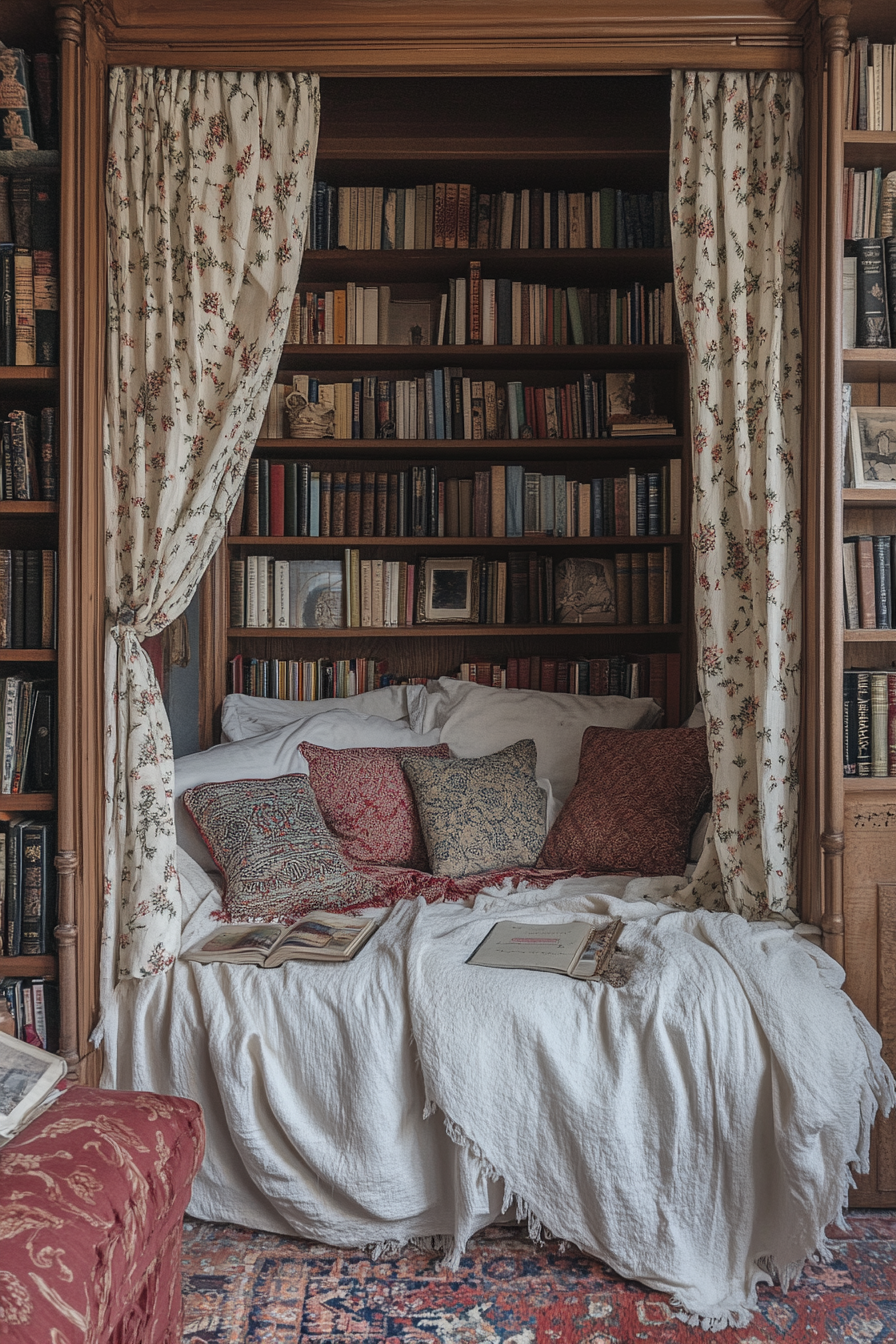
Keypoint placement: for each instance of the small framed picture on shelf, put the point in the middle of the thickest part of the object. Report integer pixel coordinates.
(872, 446)
(448, 589)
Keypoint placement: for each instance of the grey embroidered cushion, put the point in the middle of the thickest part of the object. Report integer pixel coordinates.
(269, 841)
(481, 813)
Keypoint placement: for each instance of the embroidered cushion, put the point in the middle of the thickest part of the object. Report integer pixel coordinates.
(479, 814)
(634, 804)
(367, 803)
(269, 841)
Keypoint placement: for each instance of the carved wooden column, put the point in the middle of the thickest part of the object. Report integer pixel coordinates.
(70, 31)
(835, 14)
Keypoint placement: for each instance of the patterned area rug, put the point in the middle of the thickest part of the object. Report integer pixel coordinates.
(251, 1286)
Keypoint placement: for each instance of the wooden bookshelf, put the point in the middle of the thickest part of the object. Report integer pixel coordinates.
(37, 967)
(27, 802)
(27, 655)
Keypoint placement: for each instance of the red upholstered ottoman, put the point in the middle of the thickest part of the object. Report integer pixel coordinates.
(92, 1195)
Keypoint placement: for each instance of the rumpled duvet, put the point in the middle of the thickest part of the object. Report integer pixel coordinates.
(693, 1128)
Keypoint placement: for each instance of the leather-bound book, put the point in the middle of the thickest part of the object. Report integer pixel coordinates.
(623, 588)
(33, 593)
(237, 594)
(463, 214)
(439, 214)
(353, 505)
(863, 724)
(391, 529)
(45, 242)
(879, 713)
(655, 602)
(326, 503)
(381, 504)
(865, 575)
(518, 587)
(17, 640)
(481, 510)
(872, 322)
(5, 598)
(368, 501)
(465, 506)
(276, 490)
(639, 587)
(340, 487)
(251, 522)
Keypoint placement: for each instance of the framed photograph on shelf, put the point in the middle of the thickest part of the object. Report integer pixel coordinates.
(872, 446)
(448, 589)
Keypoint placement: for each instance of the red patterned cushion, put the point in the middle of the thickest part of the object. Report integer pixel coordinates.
(634, 804)
(92, 1196)
(367, 803)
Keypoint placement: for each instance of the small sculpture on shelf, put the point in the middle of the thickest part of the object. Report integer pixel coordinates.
(309, 421)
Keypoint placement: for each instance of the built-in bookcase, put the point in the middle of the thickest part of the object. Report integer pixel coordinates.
(502, 135)
(29, 539)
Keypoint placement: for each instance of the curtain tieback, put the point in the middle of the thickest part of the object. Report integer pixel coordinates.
(126, 616)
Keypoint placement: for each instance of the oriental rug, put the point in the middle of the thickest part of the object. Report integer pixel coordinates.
(255, 1287)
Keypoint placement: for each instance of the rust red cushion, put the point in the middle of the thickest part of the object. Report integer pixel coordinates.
(367, 803)
(636, 800)
(92, 1196)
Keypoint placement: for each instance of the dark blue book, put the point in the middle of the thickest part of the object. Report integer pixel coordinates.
(513, 500)
(654, 526)
(883, 598)
(504, 305)
(641, 505)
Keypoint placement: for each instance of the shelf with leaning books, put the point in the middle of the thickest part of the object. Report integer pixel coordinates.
(468, 631)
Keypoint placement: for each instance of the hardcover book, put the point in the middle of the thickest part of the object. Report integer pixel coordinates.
(322, 936)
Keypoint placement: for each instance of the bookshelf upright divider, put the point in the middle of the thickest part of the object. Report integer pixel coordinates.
(488, 133)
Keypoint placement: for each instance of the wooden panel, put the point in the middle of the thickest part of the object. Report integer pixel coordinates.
(886, 970)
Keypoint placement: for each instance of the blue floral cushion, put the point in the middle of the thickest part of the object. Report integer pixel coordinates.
(479, 814)
(269, 841)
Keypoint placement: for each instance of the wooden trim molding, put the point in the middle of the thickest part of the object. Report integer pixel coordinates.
(835, 14)
(456, 37)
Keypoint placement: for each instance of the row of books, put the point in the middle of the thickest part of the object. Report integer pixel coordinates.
(446, 403)
(293, 499)
(869, 567)
(657, 675)
(460, 215)
(27, 734)
(869, 723)
(869, 293)
(30, 101)
(29, 271)
(28, 581)
(29, 456)
(28, 881)
(628, 588)
(869, 203)
(476, 310)
(871, 86)
(33, 1005)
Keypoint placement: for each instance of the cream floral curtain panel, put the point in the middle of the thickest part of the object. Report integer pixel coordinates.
(735, 205)
(208, 190)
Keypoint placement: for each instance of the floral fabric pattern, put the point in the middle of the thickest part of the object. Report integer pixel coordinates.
(479, 814)
(735, 215)
(635, 803)
(269, 841)
(208, 187)
(367, 803)
(93, 1194)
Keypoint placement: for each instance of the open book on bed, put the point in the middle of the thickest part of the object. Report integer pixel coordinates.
(573, 948)
(321, 936)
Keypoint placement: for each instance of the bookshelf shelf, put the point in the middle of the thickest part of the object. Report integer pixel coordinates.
(869, 149)
(385, 357)
(40, 967)
(404, 265)
(16, 376)
(18, 507)
(884, 498)
(870, 636)
(34, 162)
(869, 784)
(27, 655)
(27, 802)
(441, 631)
(869, 366)
(451, 543)
(495, 450)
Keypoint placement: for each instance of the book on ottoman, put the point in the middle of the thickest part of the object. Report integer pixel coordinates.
(28, 1081)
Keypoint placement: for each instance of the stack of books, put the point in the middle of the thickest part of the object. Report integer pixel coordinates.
(29, 271)
(28, 582)
(871, 86)
(868, 568)
(869, 723)
(28, 879)
(29, 460)
(27, 735)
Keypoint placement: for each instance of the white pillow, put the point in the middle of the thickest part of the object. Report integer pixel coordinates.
(696, 718)
(249, 715)
(276, 753)
(479, 720)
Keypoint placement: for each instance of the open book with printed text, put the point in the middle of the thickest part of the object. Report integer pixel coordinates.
(321, 936)
(573, 948)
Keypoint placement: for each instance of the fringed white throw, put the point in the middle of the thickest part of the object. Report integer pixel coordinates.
(735, 215)
(208, 187)
(693, 1129)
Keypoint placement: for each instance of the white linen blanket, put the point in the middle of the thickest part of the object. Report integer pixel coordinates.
(693, 1129)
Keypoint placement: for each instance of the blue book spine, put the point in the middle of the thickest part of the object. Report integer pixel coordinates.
(314, 502)
(313, 389)
(438, 396)
(597, 506)
(513, 423)
(654, 527)
(513, 500)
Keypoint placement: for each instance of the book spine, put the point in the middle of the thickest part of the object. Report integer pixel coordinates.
(49, 456)
(865, 564)
(891, 724)
(863, 724)
(879, 725)
(872, 325)
(883, 600)
(35, 884)
(26, 351)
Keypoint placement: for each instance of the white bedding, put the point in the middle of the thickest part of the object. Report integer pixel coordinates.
(681, 1128)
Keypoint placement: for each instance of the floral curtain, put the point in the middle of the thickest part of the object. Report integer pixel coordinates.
(209, 182)
(735, 208)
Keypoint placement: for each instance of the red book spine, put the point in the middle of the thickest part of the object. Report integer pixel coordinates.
(529, 403)
(278, 475)
(566, 430)
(541, 415)
(524, 674)
(513, 674)
(563, 676)
(549, 674)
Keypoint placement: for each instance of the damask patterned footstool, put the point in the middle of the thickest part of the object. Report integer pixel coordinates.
(92, 1196)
